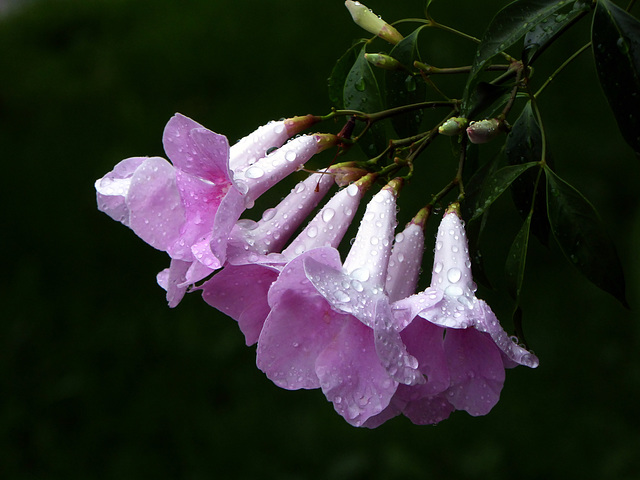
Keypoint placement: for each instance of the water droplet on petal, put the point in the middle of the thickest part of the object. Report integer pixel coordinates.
(341, 297)
(328, 214)
(454, 274)
(453, 291)
(254, 172)
(362, 274)
(290, 156)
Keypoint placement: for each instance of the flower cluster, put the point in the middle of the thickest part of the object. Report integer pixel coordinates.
(356, 329)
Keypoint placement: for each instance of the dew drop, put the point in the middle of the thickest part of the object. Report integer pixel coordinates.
(312, 231)
(254, 172)
(437, 268)
(341, 297)
(453, 291)
(290, 156)
(362, 274)
(268, 214)
(454, 275)
(328, 214)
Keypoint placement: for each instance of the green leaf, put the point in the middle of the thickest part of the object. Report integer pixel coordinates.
(339, 74)
(516, 259)
(509, 25)
(486, 95)
(540, 36)
(615, 36)
(403, 88)
(361, 92)
(582, 237)
(497, 184)
(524, 145)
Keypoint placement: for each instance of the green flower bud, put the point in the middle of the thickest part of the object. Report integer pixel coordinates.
(372, 23)
(484, 130)
(453, 126)
(381, 60)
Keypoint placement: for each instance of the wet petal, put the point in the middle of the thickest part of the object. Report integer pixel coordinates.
(241, 293)
(298, 328)
(351, 376)
(476, 369)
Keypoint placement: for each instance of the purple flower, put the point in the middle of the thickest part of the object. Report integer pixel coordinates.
(329, 326)
(188, 207)
(254, 259)
(476, 348)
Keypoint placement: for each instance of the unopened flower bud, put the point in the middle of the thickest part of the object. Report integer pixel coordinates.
(346, 173)
(296, 125)
(325, 140)
(381, 60)
(453, 126)
(372, 23)
(484, 130)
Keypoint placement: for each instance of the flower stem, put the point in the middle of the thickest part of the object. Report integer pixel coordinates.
(561, 67)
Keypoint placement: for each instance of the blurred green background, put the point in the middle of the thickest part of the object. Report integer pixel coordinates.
(100, 379)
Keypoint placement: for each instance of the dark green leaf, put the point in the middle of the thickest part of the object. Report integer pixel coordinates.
(582, 237)
(485, 95)
(539, 37)
(403, 88)
(339, 74)
(509, 25)
(524, 145)
(497, 184)
(615, 36)
(361, 92)
(516, 260)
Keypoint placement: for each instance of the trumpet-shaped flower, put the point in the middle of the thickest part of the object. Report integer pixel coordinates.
(188, 207)
(254, 261)
(328, 326)
(476, 347)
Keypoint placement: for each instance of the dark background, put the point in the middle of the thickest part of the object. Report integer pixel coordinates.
(100, 379)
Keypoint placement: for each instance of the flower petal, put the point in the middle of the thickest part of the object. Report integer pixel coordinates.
(156, 211)
(351, 375)
(196, 150)
(298, 328)
(513, 353)
(476, 369)
(241, 293)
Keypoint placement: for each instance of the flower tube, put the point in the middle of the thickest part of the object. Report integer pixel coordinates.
(240, 289)
(476, 347)
(324, 330)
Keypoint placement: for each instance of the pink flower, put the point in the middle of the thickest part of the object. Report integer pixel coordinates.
(254, 259)
(476, 348)
(328, 325)
(188, 207)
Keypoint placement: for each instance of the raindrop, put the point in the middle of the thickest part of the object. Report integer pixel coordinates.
(453, 291)
(399, 237)
(454, 274)
(360, 84)
(312, 231)
(328, 214)
(437, 268)
(362, 274)
(290, 156)
(254, 172)
(352, 190)
(268, 214)
(341, 297)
